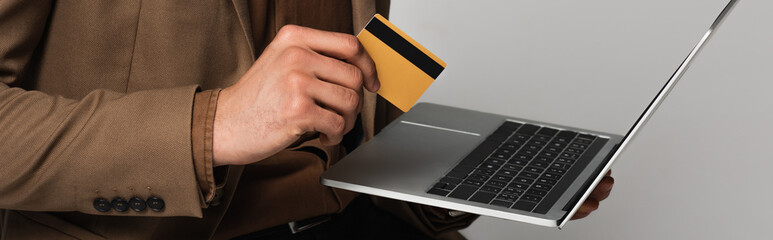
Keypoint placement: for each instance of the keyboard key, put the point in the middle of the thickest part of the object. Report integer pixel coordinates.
(516, 141)
(565, 136)
(574, 151)
(582, 141)
(445, 186)
(518, 163)
(565, 161)
(560, 166)
(542, 138)
(578, 146)
(489, 166)
(440, 192)
(485, 172)
(508, 127)
(507, 197)
(532, 198)
(586, 136)
(570, 155)
(517, 185)
(528, 129)
(497, 137)
(477, 177)
(511, 167)
(553, 149)
(510, 146)
(557, 171)
(520, 136)
(548, 155)
(451, 180)
(547, 131)
(525, 181)
(522, 157)
(483, 197)
(494, 161)
(528, 175)
(527, 152)
(495, 183)
(543, 159)
(473, 182)
(533, 147)
(463, 192)
(490, 189)
(479, 153)
(472, 161)
(557, 144)
(507, 173)
(540, 186)
(502, 178)
(524, 205)
(551, 176)
(499, 156)
(501, 203)
(506, 151)
(512, 191)
(536, 192)
(538, 164)
(546, 181)
(534, 170)
(459, 175)
(537, 142)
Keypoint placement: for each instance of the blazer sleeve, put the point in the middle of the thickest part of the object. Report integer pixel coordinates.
(109, 148)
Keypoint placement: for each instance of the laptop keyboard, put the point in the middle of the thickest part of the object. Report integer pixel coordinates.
(519, 166)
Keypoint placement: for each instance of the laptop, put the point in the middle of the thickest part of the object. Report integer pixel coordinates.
(489, 164)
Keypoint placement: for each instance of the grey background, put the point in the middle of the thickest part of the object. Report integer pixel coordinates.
(701, 167)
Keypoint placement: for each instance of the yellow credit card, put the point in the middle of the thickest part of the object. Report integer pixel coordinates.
(405, 68)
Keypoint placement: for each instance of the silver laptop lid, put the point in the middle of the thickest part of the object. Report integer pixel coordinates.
(653, 106)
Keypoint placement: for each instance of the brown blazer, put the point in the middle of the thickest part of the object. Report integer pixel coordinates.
(96, 101)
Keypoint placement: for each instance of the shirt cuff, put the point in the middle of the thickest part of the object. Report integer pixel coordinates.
(202, 124)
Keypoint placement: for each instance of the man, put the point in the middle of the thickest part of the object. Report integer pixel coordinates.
(153, 119)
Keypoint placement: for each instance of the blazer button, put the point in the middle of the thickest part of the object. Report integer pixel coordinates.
(120, 205)
(137, 204)
(101, 204)
(155, 203)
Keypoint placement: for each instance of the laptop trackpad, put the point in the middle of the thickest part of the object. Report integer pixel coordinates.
(408, 157)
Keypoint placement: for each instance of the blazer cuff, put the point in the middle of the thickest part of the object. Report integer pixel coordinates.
(202, 125)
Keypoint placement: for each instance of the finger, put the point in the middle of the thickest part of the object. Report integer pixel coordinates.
(603, 189)
(580, 215)
(342, 100)
(587, 207)
(337, 45)
(330, 125)
(335, 71)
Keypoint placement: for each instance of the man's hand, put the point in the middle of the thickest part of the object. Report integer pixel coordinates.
(305, 81)
(600, 193)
